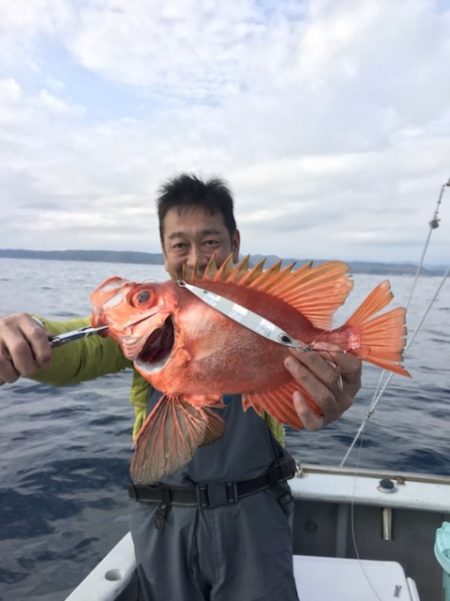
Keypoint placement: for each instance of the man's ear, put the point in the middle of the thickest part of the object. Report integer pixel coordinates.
(235, 245)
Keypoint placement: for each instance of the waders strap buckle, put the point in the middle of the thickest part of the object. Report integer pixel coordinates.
(202, 495)
(163, 508)
(232, 492)
(280, 472)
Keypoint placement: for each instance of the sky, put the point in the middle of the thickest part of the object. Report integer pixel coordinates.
(329, 120)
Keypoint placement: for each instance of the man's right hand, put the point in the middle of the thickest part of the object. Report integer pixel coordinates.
(24, 347)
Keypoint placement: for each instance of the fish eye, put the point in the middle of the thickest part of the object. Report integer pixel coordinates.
(142, 297)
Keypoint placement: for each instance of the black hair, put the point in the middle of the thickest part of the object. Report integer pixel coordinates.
(186, 190)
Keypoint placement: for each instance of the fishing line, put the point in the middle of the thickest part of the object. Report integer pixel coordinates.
(375, 401)
(380, 389)
(433, 225)
(352, 523)
(360, 432)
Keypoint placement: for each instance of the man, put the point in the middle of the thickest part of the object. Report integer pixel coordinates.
(218, 528)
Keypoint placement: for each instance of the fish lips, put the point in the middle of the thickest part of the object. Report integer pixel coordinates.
(157, 348)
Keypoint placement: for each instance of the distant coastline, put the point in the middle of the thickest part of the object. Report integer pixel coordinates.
(113, 256)
(100, 256)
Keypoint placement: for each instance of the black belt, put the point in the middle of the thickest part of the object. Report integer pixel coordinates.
(213, 494)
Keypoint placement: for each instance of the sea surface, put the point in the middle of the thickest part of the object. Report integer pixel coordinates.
(64, 452)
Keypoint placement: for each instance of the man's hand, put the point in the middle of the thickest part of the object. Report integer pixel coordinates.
(24, 347)
(332, 378)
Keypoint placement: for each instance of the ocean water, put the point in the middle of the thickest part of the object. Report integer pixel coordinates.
(64, 452)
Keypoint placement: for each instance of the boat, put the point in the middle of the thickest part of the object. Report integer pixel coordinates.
(359, 535)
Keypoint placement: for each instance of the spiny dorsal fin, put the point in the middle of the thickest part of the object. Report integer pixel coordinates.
(239, 270)
(269, 285)
(224, 270)
(183, 275)
(316, 292)
(210, 269)
(266, 275)
(252, 273)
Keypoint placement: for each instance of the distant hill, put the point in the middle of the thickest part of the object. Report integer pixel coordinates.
(101, 256)
(374, 267)
(128, 256)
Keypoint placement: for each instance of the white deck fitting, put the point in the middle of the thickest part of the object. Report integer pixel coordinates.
(336, 579)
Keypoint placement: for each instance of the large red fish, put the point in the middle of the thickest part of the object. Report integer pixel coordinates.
(194, 355)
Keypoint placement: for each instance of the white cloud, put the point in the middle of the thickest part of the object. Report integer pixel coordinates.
(329, 120)
(10, 90)
(188, 48)
(52, 102)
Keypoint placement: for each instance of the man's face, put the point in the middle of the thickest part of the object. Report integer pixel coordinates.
(193, 236)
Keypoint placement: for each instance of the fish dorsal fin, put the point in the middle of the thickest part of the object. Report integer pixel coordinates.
(265, 276)
(184, 272)
(224, 270)
(210, 269)
(239, 271)
(315, 291)
(252, 274)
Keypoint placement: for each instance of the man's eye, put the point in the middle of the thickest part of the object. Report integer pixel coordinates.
(211, 242)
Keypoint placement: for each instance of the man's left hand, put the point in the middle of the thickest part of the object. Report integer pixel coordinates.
(331, 377)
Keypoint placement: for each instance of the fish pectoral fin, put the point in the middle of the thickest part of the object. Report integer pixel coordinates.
(215, 426)
(170, 436)
(208, 402)
(278, 403)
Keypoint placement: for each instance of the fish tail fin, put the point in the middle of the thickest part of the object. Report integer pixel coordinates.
(170, 436)
(381, 338)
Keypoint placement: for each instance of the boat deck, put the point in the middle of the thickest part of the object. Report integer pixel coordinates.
(338, 579)
(317, 579)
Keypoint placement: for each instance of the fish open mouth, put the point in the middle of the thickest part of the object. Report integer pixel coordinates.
(158, 347)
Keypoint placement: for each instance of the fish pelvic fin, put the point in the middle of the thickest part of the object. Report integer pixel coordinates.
(381, 339)
(171, 435)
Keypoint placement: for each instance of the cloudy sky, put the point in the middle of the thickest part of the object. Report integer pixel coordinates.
(330, 120)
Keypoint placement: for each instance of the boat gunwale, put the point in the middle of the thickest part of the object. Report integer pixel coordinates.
(304, 469)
